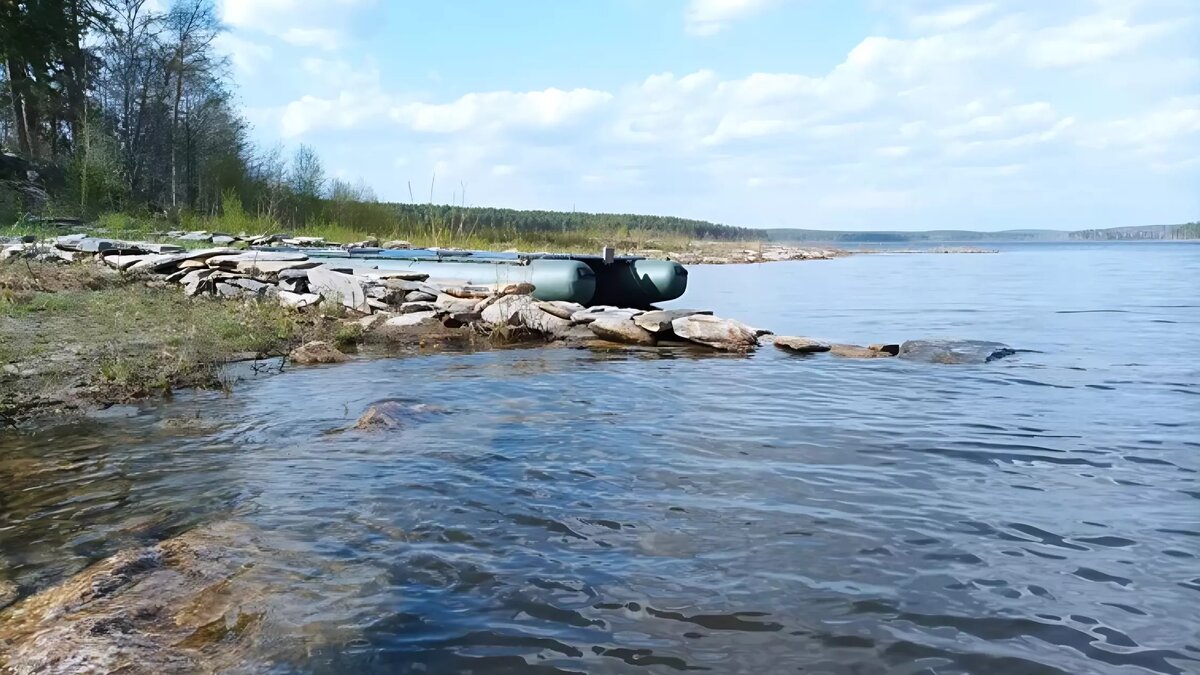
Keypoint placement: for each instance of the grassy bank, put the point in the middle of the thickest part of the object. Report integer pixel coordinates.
(80, 334)
(423, 227)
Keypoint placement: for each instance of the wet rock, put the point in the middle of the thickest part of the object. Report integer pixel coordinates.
(188, 604)
(561, 308)
(954, 351)
(723, 334)
(298, 300)
(392, 414)
(659, 320)
(801, 345)
(856, 352)
(317, 352)
(621, 329)
(8, 593)
(337, 287)
(890, 349)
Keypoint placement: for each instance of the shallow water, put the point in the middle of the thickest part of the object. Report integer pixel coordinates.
(652, 512)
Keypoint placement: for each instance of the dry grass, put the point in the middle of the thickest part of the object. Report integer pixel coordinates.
(76, 333)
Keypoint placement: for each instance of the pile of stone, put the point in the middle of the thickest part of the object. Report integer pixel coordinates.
(278, 239)
(719, 255)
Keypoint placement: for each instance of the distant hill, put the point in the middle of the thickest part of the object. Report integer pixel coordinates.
(1141, 232)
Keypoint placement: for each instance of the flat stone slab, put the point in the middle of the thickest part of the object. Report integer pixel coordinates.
(622, 329)
(338, 287)
(723, 334)
(412, 319)
(659, 320)
(801, 345)
(561, 308)
(954, 351)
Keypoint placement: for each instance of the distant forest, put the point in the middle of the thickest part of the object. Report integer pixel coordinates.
(1140, 233)
(620, 224)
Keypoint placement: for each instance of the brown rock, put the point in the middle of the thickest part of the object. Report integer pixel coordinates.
(622, 329)
(317, 352)
(723, 334)
(857, 352)
(891, 350)
(801, 345)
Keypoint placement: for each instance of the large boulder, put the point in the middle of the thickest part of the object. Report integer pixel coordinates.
(507, 309)
(619, 328)
(801, 345)
(337, 287)
(715, 332)
(659, 320)
(317, 352)
(954, 351)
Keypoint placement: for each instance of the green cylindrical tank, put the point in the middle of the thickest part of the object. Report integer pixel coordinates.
(638, 283)
(568, 280)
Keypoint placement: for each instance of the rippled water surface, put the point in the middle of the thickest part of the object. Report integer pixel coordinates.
(569, 510)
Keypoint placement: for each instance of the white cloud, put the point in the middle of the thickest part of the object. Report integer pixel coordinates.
(708, 17)
(974, 108)
(246, 55)
(477, 113)
(323, 24)
(1089, 40)
(952, 17)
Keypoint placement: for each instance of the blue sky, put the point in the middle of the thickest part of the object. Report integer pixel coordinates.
(873, 114)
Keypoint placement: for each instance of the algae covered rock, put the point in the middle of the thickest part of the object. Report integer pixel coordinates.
(317, 352)
(954, 351)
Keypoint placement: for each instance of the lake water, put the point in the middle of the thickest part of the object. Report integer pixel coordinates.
(605, 512)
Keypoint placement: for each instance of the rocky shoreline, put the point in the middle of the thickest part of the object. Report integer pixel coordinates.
(407, 308)
(193, 602)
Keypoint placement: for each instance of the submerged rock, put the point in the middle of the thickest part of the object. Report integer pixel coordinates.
(317, 352)
(723, 334)
(801, 345)
(391, 414)
(954, 351)
(188, 604)
(857, 352)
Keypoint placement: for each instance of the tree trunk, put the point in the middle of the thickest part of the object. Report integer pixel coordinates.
(174, 126)
(24, 112)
